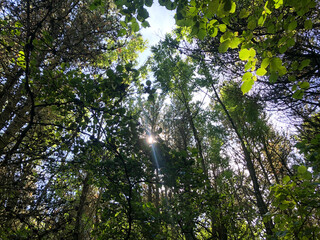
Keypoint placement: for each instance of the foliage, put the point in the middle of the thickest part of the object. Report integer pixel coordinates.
(263, 31)
(76, 113)
(309, 144)
(297, 202)
(63, 87)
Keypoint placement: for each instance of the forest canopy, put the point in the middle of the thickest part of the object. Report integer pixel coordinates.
(94, 145)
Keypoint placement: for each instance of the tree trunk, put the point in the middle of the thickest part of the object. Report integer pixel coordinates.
(263, 209)
(79, 225)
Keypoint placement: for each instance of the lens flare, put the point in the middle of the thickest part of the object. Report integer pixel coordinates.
(150, 140)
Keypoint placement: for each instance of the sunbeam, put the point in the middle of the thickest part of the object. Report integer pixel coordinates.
(155, 156)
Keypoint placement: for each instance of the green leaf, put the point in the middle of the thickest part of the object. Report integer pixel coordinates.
(110, 73)
(163, 2)
(135, 27)
(304, 85)
(307, 175)
(302, 169)
(281, 233)
(290, 42)
(244, 13)
(271, 28)
(294, 87)
(252, 52)
(248, 65)
(171, 5)
(261, 72)
(292, 26)
(213, 32)
(18, 24)
(283, 207)
(201, 34)
(244, 54)
(143, 13)
(286, 179)
(213, 6)
(233, 7)
(194, 151)
(291, 78)
(282, 70)
(252, 24)
(304, 64)
(223, 47)
(278, 3)
(145, 24)
(122, 32)
(261, 20)
(123, 24)
(234, 42)
(273, 77)
(195, 29)
(247, 82)
(192, 11)
(222, 27)
(308, 24)
(275, 63)
(247, 85)
(227, 5)
(226, 36)
(93, 7)
(265, 63)
(283, 49)
(298, 94)
(246, 76)
(148, 3)
(151, 97)
(119, 68)
(295, 65)
(95, 4)
(267, 10)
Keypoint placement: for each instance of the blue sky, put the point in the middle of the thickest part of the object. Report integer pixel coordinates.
(161, 22)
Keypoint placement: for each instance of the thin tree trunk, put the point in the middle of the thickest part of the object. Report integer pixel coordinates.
(270, 161)
(263, 209)
(78, 231)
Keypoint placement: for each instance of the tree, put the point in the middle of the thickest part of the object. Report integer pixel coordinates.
(238, 37)
(267, 33)
(57, 95)
(266, 158)
(185, 80)
(76, 113)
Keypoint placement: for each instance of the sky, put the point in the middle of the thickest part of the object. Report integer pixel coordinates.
(161, 22)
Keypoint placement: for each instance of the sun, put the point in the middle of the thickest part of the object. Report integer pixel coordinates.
(150, 139)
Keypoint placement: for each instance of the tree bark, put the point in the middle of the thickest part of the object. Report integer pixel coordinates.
(262, 206)
(78, 230)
